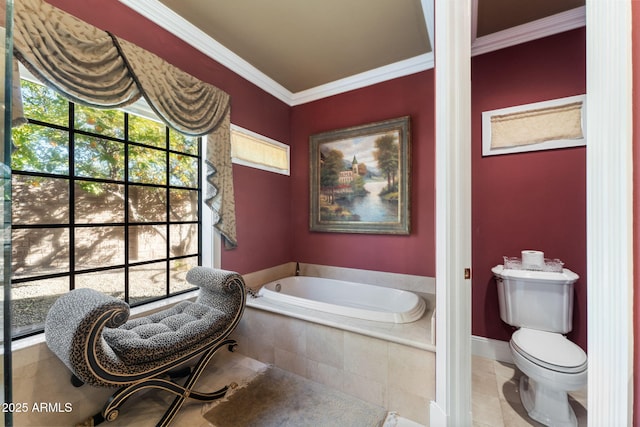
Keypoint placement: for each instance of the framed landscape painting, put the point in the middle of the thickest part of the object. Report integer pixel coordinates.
(359, 178)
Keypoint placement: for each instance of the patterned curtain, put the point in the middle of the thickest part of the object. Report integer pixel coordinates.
(95, 68)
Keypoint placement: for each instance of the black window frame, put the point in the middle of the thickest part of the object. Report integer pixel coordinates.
(72, 225)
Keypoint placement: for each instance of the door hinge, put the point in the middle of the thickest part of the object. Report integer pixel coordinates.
(467, 273)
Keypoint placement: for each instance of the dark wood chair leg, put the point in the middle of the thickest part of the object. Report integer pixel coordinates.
(196, 372)
(111, 410)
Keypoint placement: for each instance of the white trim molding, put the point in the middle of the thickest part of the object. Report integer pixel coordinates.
(166, 18)
(491, 349)
(452, 406)
(609, 212)
(160, 14)
(427, 11)
(555, 24)
(474, 22)
(368, 78)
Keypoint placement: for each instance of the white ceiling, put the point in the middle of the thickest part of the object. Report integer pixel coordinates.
(300, 51)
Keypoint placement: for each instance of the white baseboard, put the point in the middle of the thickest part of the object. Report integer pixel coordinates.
(480, 346)
(437, 417)
(491, 349)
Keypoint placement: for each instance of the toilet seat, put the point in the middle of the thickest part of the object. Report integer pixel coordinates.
(549, 350)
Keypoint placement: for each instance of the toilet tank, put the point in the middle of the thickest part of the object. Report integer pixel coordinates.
(539, 300)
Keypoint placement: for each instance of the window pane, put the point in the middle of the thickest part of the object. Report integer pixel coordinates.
(147, 282)
(31, 301)
(99, 158)
(44, 104)
(147, 242)
(184, 239)
(115, 192)
(251, 149)
(39, 251)
(183, 143)
(109, 282)
(103, 122)
(183, 205)
(40, 149)
(98, 202)
(147, 165)
(147, 204)
(147, 131)
(39, 200)
(99, 247)
(178, 273)
(184, 171)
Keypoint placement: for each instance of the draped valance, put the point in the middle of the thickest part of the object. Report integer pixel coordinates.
(95, 68)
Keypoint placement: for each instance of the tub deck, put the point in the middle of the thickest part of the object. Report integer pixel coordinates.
(419, 334)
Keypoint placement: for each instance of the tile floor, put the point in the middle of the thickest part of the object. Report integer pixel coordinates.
(496, 398)
(496, 401)
(225, 368)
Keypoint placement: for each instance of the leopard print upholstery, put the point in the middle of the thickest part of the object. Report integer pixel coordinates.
(91, 334)
(161, 334)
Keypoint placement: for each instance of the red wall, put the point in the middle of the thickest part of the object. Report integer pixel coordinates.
(262, 208)
(520, 201)
(413, 254)
(534, 200)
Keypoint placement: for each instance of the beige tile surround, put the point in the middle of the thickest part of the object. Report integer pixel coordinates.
(408, 282)
(389, 365)
(398, 377)
(40, 377)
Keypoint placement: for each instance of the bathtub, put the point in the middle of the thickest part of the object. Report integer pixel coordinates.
(357, 300)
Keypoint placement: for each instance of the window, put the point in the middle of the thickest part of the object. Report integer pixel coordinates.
(102, 199)
(255, 150)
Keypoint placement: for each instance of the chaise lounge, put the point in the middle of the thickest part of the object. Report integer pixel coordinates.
(92, 335)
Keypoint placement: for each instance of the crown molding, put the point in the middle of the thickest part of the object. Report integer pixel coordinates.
(474, 21)
(166, 18)
(163, 16)
(555, 24)
(387, 72)
(428, 12)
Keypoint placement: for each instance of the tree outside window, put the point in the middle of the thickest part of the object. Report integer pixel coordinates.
(102, 199)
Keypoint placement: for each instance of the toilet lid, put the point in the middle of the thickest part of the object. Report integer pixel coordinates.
(550, 350)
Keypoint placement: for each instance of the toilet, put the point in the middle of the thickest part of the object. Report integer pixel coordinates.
(540, 304)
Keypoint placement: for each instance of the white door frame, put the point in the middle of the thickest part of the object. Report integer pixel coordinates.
(453, 213)
(609, 212)
(609, 130)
